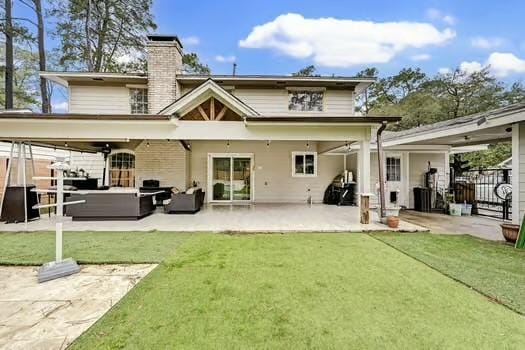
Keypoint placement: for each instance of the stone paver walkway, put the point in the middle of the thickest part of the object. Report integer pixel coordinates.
(51, 315)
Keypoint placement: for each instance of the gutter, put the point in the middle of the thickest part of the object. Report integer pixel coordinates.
(380, 157)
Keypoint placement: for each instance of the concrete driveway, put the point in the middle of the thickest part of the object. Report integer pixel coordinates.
(478, 226)
(51, 315)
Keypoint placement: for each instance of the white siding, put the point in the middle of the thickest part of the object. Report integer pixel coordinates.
(99, 99)
(275, 102)
(418, 168)
(273, 169)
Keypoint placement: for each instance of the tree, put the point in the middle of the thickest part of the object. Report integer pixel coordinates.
(363, 100)
(25, 78)
(96, 35)
(466, 93)
(44, 94)
(9, 60)
(308, 71)
(192, 65)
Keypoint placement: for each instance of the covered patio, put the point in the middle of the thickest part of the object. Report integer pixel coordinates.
(234, 218)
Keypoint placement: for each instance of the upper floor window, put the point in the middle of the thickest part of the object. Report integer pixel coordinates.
(138, 99)
(305, 101)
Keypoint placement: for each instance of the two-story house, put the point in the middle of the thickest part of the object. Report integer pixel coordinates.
(240, 138)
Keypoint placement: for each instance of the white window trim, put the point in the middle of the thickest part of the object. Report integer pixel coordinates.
(131, 99)
(294, 154)
(396, 156)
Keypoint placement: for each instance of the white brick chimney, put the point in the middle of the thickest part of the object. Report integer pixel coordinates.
(164, 63)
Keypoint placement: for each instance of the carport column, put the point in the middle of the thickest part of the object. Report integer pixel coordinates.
(518, 144)
(363, 166)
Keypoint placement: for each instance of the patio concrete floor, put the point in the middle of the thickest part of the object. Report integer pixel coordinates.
(237, 218)
(51, 315)
(478, 226)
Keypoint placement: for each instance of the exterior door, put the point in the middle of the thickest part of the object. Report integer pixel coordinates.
(230, 177)
(394, 187)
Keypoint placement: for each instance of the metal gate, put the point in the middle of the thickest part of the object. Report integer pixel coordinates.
(488, 190)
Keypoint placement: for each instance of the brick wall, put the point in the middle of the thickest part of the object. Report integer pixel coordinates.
(164, 63)
(163, 160)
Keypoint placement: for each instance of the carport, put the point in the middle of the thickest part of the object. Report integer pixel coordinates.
(506, 124)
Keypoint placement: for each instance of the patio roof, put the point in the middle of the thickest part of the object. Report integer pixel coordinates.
(481, 128)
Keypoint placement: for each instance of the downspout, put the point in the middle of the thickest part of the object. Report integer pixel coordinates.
(380, 156)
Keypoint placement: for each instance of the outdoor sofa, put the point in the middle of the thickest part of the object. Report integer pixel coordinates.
(112, 204)
(189, 202)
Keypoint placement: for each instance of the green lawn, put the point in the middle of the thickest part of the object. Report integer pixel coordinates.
(36, 248)
(292, 291)
(493, 268)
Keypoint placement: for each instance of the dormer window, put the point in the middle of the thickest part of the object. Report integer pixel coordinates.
(138, 99)
(305, 100)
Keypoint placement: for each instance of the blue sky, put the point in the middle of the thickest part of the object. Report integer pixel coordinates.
(468, 32)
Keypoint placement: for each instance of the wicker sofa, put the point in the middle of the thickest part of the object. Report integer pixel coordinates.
(118, 204)
(189, 202)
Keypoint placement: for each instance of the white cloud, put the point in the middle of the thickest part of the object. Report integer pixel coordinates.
(59, 107)
(444, 70)
(501, 64)
(335, 42)
(421, 57)
(225, 59)
(486, 42)
(438, 15)
(129, 57)
(470, 67)
(191, 40)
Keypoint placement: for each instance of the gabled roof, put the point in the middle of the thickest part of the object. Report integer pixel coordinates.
(202, 93)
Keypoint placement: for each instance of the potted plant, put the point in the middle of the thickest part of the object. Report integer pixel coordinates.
(510, 231)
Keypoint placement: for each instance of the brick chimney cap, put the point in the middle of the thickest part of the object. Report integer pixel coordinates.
(164, 38)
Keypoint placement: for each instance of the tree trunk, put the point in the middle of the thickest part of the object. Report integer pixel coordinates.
(9, 64)
(46, 106)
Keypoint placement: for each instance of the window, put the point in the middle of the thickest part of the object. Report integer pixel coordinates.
(304, 164)
(393, 169)
(309, 101)
(138, 101)
(122, 170)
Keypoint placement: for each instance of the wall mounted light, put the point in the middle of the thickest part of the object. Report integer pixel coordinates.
(308, 144)
(147, 143)
(268, 144)
(228, 144)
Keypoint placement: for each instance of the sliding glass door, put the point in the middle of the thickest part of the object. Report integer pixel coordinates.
(230, 177)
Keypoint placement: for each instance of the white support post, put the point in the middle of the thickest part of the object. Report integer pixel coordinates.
(59, 214)
(24, 180)
(364, 166)
(516, 208)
